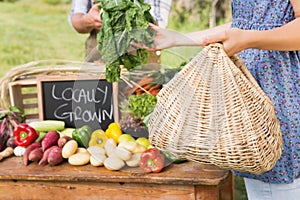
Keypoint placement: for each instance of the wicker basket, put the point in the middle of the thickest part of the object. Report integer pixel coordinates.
(214, 112)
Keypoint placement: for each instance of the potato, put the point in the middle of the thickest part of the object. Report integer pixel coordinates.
(97, 160)
(139, 148)
(128, 145)
(81, 150)
(69, 148)
(79, 159)
(96, 150)
(123, 154)
(134, 161)
(109, 146)
(113, 163)
(63, 140)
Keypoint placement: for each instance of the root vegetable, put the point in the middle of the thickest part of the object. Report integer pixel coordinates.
(55, 156)
(109, 146)
(123, 154)
(50, 139)
(63, 140)
(95, 150)
(113, 163)
(134, 161)
(128, 145)
(97, 155)
(36, 154)
(81, 150)
(28, 150)
(44, 159)
(97, 160)
(69, 148)
(8, 151)
(139, 148)
(79, 159)
(19, 151)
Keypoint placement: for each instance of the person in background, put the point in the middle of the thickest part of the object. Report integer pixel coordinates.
(265, 34)
(84, 17)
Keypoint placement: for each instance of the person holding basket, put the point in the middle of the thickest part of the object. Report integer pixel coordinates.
(265, 35)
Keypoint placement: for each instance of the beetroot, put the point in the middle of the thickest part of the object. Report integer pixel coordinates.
(50, 139)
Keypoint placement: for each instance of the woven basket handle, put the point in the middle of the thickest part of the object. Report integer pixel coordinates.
(240, 65)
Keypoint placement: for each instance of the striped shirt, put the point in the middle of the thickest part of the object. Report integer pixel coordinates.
(160, 9)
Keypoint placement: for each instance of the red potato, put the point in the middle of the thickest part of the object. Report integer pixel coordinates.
(55, 156)
(63, 140)
(30, 148)
(36, 154)
(50, 139)
(44, 159)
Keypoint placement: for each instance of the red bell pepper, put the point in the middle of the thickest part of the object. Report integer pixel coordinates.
(24, 135)
(152, 160)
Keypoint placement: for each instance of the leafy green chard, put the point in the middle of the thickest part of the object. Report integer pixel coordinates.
(124, 21)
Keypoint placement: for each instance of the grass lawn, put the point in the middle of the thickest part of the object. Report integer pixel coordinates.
(32, 30)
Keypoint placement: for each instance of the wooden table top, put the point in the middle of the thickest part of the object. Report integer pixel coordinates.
(189, 173)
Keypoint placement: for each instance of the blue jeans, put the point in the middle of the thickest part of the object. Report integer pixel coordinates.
(258, 190)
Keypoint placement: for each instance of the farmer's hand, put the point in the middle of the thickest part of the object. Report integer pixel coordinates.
(93, 17)
(85, 23)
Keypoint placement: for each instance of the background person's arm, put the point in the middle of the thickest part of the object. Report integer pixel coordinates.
(85, 23)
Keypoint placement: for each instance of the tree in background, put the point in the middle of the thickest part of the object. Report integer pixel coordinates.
(204, 12)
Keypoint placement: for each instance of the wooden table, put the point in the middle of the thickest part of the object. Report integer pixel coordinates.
(187, 180)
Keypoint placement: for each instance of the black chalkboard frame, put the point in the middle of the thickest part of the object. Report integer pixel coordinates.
(62, 79)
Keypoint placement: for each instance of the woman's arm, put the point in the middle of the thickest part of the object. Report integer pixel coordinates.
(285, 38)
(165, 38)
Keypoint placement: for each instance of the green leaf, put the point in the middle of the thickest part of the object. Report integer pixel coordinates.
(124, 21)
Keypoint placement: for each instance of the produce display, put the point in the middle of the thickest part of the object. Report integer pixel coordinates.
(9, 119)
(111, 148)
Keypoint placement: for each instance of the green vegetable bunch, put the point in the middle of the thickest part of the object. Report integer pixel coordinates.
(140, 105)
(124, 21)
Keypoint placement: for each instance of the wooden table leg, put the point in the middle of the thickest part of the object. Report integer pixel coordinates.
(224, 191)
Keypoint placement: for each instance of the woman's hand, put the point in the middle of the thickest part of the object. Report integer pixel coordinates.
(233, 40)
(165, 38)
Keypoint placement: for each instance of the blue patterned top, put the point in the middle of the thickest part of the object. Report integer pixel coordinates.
(278, 74)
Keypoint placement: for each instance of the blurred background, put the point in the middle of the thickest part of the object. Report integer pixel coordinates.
(32, 30)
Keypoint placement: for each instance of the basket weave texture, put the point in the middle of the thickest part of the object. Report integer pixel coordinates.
(214, 112)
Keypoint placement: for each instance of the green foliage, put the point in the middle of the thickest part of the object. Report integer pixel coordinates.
(11, 1)
(52, 2)
(56, 2)
(123, 21)
(239, 189)
(140, 105)
(32, 30)
(187, 21)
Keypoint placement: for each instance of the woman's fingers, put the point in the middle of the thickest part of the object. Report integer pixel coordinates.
(141, 46)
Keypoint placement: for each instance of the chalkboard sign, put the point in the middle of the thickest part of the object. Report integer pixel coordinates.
(78, 101)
